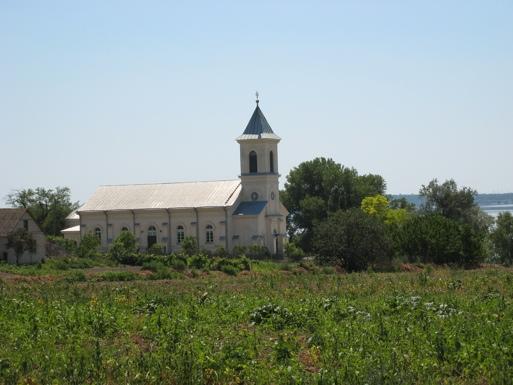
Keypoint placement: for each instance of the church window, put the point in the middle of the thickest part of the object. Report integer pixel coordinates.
(25, 224)
(98, 233)
(253, 162)
(271, 161)
(152, 236)
(210, 233)
(180, 234)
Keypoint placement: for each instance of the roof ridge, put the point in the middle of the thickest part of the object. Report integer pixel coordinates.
(160, 183)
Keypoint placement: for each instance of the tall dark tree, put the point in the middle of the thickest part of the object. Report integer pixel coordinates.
(351, 239)
(502, 238)
(321, 186)
(449, 201)
(48, 207)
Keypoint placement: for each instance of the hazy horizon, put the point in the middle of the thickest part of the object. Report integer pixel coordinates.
(125, 92)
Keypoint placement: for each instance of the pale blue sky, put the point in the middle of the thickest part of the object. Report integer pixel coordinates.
(110, 92)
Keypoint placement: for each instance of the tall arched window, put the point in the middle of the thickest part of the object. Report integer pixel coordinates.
(253, 162)
(180, 234)
(98, 233)
(271, 161)
(209, 233)
(152, 236)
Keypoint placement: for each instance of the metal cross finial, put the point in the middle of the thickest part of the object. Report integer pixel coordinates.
(256, 93)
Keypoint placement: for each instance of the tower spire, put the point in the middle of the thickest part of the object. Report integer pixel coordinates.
(257, 100)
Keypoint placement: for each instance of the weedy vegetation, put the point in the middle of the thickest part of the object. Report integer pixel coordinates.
(221, 322)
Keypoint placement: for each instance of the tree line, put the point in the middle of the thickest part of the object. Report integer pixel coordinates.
(345, 218)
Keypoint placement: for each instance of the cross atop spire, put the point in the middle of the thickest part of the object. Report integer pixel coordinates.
(257, 100)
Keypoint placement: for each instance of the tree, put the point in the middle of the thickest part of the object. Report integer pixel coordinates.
(48, 207)
(379, 206)
(351, 239)
(316, 188)
(502, 238)
(449, 201)
(433, 238)
(20, 241)
(124, 245)
(88, 246)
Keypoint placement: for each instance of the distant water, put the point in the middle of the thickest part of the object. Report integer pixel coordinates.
(492, 204)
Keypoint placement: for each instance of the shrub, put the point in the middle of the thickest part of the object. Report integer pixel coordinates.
(118, 276)
(433, 238)
(153, 265)
(75, 276)
(189, 246)
(124, 247)
(351, 239)
(294, 252)
(89, 245)
(69, 263)
(239, 250)
(157, 249)
(199, 261)
(257, 252)
(502, 238)
(178, 263)
(229, 269)
(220, 251)
(68, 245)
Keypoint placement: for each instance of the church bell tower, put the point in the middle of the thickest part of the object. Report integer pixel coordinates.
(259, 162)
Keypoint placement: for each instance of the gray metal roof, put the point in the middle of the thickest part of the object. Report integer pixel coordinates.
(74, 229)
(258, 128)
(9, 218)
(163, 196)
(250, 208)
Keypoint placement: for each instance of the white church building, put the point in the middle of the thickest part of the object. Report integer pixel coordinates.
(241, 212)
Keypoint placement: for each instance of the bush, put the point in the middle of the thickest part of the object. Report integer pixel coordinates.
(257, 252)
(69, 246)
(157, 249)
(433, 238)
(502, 238)
(199, 261)
(178, 263)
(124, 248)
(351, 239)
(89, 245)
(221, 252)
(294, 252)
(69, 263)
(118, 276)
(189, 246)
(75, 276)
(239, 251)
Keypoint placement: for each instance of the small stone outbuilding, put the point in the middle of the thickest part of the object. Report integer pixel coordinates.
(12, 219)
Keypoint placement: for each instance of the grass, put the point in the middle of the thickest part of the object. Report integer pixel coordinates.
(270, 325)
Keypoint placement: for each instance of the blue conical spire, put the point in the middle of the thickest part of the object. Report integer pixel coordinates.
(258, 127)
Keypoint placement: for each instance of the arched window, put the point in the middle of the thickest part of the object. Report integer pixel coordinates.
(253, 162)
(271, 161)
(209, 233)
(180, 234)
(98, 233)
(152, 236)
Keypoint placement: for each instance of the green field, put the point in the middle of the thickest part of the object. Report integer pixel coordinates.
(275, 324)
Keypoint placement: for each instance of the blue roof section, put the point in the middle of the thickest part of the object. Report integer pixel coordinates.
(258, 124)
(250, 208)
